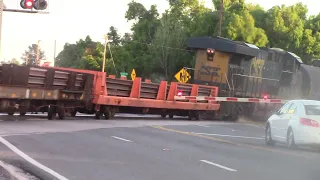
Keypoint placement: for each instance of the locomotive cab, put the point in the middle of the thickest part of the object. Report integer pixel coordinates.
(218, 60)
(237, 68)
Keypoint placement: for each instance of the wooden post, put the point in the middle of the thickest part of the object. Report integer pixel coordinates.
(105, 51)
(38, 53)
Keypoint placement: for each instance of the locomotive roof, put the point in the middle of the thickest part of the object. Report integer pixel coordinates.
(237, 47)
(223, 44)
(287, 54)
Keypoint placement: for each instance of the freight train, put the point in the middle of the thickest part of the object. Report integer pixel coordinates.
(244, 70)
(65, 91)
(223, 68)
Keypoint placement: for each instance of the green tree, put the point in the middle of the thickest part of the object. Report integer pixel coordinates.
(156, 46)
(29, 57)
(259, 15)
(285, 26)
(143, 29)
(127, 37)
(113, 36)
(168, 46)
(72, 54)
(310, 46)
(93, 56)
(239, 24)
(12, 61)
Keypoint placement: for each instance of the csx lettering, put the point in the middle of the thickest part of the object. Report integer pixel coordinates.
(208, 70)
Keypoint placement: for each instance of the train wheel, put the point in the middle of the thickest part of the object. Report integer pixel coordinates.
(74, 113)
(108, 112)
(23, 110)
(10, 111)
(171, 116)
(197, 116)
(107, 115)
(194, 115)
(113, 113)
(61, 113)
(163, 115)
(98, 115)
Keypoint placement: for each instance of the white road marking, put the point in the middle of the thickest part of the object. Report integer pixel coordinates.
(203, 126)
(280, 137)
(218, 165)
(30, 160)
(253, 125)
(223, 135)
(121, 139)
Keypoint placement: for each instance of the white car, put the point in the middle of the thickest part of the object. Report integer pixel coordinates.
(296, 123)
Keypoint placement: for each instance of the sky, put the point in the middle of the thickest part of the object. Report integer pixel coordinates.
(70, 20)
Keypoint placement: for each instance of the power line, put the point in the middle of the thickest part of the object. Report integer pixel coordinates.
(160, 46)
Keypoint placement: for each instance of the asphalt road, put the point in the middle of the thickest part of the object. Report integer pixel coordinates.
(156, 149)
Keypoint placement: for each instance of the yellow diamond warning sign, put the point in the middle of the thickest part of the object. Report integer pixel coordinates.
(133, 74)
(182, 76)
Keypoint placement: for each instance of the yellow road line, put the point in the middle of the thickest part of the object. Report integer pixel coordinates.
(230, 142)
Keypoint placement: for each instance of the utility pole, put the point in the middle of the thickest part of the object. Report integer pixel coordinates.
(38, 53)
(1, 12)
(27, 58)
(105, 51)
(54, 50)
(220, 17)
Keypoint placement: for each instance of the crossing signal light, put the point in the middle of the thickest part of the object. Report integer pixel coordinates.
(26, 4)
(210, 54)
(35, 4)
(40, 4)
(265, 97)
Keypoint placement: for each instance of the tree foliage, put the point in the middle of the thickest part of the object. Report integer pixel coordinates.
(156, 46)
(12, 61)
(113, 36)
(29, 57)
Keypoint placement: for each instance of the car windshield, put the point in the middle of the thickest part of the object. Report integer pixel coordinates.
(312, 109)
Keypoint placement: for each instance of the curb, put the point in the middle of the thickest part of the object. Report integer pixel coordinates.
(29, 168)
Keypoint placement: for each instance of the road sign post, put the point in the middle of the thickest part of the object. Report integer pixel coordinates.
(1, 11)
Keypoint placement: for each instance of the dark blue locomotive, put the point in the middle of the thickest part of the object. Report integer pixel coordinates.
(241, 69)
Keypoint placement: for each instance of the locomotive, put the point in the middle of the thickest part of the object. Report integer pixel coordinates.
(244, 70)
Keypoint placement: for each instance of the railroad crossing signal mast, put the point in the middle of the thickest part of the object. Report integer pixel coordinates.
(28, 6)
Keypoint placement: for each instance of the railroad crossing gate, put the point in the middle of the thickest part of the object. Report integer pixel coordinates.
(182, 76)
(133, 74)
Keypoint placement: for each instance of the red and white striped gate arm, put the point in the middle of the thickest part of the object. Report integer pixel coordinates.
(230, 99)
